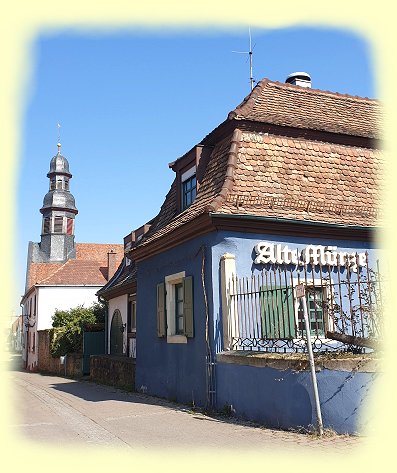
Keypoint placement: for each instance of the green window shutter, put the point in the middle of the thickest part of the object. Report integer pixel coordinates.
(188, 306)
(277, 308)
(161, 323)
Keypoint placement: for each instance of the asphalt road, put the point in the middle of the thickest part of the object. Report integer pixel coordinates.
(62, 411)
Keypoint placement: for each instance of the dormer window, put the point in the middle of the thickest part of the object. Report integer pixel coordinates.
(189, 170)
(189, 187)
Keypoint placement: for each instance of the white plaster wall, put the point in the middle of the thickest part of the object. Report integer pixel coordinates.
(29, 356)
(62, 298)
(120, 303)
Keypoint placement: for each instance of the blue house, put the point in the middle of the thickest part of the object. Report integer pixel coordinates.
(284, 191)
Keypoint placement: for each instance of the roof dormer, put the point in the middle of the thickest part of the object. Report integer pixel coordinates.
(189, 171)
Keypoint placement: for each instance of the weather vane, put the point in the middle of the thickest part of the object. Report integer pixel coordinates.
(59, 137)
(252, 81)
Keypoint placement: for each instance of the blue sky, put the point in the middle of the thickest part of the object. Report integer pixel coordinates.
(130, 102)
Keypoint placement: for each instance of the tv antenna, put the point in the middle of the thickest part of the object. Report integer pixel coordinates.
(252, 81)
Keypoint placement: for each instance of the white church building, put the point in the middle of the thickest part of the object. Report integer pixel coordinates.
(61, 274)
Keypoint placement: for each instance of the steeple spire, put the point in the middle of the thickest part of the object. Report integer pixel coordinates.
(59, 211)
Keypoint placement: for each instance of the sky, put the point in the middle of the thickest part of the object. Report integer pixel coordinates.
(132, 101)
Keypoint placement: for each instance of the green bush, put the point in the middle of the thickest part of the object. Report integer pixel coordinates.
(68, 327)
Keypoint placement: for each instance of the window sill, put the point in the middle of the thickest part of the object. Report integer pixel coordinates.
(176, 339)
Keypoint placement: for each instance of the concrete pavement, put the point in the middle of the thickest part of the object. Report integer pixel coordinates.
(63, 411)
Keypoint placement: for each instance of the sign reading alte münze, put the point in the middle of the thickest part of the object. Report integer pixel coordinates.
(311, 254)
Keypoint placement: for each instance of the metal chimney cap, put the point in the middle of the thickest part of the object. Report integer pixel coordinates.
(298, 76)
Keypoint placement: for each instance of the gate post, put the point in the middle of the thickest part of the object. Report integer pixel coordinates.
(228, 270)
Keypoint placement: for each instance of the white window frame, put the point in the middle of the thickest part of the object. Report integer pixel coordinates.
(170, 282)
(316, 283)
(189, 173)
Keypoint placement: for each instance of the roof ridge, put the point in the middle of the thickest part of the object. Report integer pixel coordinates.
(300, 89)
(249, 101)
(229, 175)
(247, 105)
(100, 244)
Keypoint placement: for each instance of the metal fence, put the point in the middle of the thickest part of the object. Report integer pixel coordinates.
(344, 308)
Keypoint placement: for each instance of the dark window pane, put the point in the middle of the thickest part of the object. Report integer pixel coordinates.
(188, 192)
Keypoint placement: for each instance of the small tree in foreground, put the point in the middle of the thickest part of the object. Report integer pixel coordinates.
(68, 327)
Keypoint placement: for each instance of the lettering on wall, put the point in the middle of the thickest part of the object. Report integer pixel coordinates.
(311, 254)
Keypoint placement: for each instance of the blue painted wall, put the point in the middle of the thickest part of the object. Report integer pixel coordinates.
(173, 371)
(178, 371)
(242, 246)
(284, 399)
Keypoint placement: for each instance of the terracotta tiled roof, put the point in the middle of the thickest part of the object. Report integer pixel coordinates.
(301, 107)
(88, 268)
(78, 272)
(260, 174)
(98, 251)
(304, 180)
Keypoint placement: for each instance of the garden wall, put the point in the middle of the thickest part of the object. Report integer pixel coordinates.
(276, 389)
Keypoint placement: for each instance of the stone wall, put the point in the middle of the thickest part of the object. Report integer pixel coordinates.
(118, 371)
(73, 363)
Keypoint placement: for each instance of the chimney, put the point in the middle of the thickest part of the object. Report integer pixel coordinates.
(299, 78)
(111, 263)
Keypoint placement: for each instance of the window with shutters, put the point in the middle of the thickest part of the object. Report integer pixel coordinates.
(175, 308)
(58, 224)
(46, 225)
(69, 226)
(282, 314)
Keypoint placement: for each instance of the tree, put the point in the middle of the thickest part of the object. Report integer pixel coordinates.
(68, 327)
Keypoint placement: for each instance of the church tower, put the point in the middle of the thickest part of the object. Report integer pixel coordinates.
(59, 211)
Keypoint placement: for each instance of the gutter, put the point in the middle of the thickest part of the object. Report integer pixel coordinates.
(292, 221)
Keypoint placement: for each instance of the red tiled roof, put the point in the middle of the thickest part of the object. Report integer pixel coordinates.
(88, 268)
(304, 180)
(263, 174)
(302, 107)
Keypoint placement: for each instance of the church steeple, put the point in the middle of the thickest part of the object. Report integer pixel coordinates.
(59, 211)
